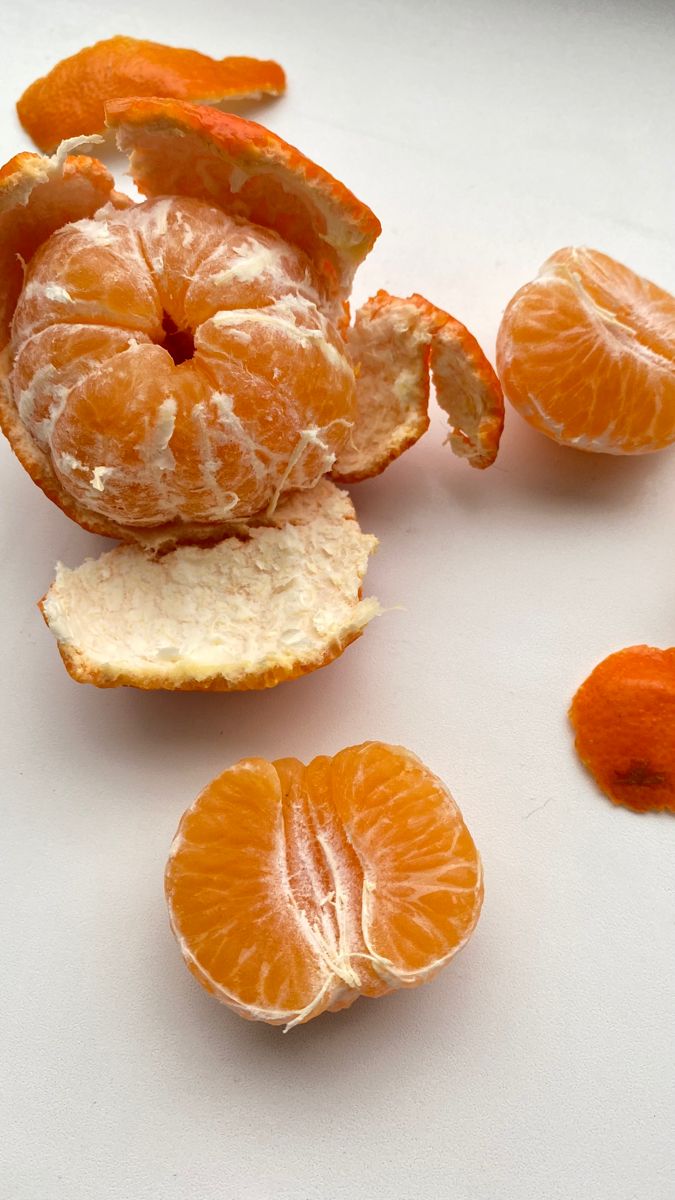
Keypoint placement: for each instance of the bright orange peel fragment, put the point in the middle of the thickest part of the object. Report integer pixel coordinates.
(70, 99)
(623, 716)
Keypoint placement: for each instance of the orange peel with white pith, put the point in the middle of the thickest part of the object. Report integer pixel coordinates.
(70, 98)
(278, 601)
(172, 370)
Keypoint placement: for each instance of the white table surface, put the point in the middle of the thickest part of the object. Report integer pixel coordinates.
(539, 1066)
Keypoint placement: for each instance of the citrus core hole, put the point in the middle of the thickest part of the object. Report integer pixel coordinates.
(179, 342)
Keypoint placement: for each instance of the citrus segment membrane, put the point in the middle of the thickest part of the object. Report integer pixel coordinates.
(248, 612)
(70, 98)
(292, 890)
(395, 345)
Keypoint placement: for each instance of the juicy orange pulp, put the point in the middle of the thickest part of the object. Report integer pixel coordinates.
(586, 353)
(178, 363)
(293, 890)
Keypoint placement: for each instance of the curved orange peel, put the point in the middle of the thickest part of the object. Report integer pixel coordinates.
(182, 149)
(70, 98)
(623, 717)
(37, 196)
(395, 344)
(274, 603)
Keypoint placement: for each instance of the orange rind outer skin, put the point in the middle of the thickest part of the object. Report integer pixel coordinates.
(70, 98)
(184, 149)
(37, 196)
(623, 716)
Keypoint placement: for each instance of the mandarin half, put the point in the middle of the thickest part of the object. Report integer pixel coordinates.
(293, 889)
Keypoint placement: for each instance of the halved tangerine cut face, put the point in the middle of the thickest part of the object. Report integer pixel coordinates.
(292, 890)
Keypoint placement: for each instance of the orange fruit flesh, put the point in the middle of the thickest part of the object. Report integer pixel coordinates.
(586, 353)
(70, 99)
(624, 720)
(292, 890)
(177, 363)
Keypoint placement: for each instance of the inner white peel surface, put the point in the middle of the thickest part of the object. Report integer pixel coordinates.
(285, 595)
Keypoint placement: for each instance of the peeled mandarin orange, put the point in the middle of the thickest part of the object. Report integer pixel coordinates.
(624, 721)
(586, 353)
(70, 99)
(174, 372)
(293, 889)
(176, 366)
(397, 344)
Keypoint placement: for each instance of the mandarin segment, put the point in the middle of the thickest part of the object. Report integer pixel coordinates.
(623, 717)
(586, 354)
(70, 99)
(292, 890)
(396, 344)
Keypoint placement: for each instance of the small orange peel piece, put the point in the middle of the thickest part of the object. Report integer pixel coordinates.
(38, 195)
(624, 721)
(182, 149)
(278, 601)
(293, 890)
(70, 99)
(395, 344)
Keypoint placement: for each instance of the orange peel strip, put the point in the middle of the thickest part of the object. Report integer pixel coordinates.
(70, 98)
(623, 717)
(395, 344)
(265, 608)
(181, 149)
(37, 196)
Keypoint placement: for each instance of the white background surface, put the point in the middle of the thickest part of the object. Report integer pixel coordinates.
(539, 1066)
